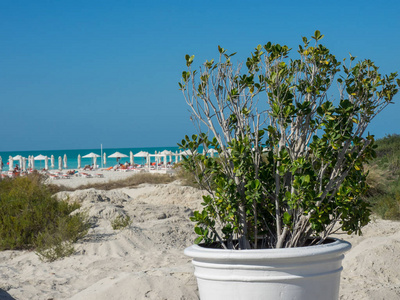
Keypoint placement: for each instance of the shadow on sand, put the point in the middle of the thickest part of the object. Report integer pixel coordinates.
(5, 296)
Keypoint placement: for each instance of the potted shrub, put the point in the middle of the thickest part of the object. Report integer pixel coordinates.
(289, 170)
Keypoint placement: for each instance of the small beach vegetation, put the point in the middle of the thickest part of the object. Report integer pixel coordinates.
(291, 152)
(31, 218)
(384, 178)
(121, 222)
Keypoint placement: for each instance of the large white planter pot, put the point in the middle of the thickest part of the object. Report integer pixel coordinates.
(304, 273)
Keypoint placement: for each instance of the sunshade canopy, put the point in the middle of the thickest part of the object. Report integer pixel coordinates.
(141, 154)
(40, 157)
(166, 152)
(118, 154)
(91, 155)
(187, 152)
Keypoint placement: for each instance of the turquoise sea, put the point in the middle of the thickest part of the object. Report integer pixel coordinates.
(72, 156)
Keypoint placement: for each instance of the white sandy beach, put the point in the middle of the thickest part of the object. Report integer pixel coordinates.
(146, 261)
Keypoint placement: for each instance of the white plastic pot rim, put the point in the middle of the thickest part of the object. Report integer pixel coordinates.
(325, 250)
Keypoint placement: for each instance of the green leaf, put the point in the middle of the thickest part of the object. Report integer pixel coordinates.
(287, 218)
(198, 230)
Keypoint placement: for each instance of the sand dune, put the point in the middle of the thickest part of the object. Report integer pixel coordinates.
(146, 261)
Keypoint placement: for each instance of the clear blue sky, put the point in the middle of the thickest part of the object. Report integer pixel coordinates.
(75, 74)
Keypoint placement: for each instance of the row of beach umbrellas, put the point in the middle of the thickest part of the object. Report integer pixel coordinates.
(62, 162)
(31, 161)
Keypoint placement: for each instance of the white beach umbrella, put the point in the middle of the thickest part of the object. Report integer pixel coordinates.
(118, 155)
(166, 152)
(187, 152)
(23, 166)
(79, 161)
(46, 163)
(212, 151)
(32, 162)
(176, 157)
(91, 155)
(40, 157)
(10, 163)
(29, 162)
(52, 161)
(65, 161)
(1, 164)
(60, 163)
(95, 162)
(142, 154)
(131, 158)
(104, 159)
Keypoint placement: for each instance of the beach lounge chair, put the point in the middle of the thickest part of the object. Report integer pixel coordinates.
(53, 176)
(85, 175)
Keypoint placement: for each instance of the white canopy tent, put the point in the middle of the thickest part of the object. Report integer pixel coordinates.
(19, 158)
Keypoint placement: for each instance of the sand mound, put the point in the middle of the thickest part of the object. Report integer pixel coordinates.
(142, 261)
(371, 267)
(146, 261)
(162, 194)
